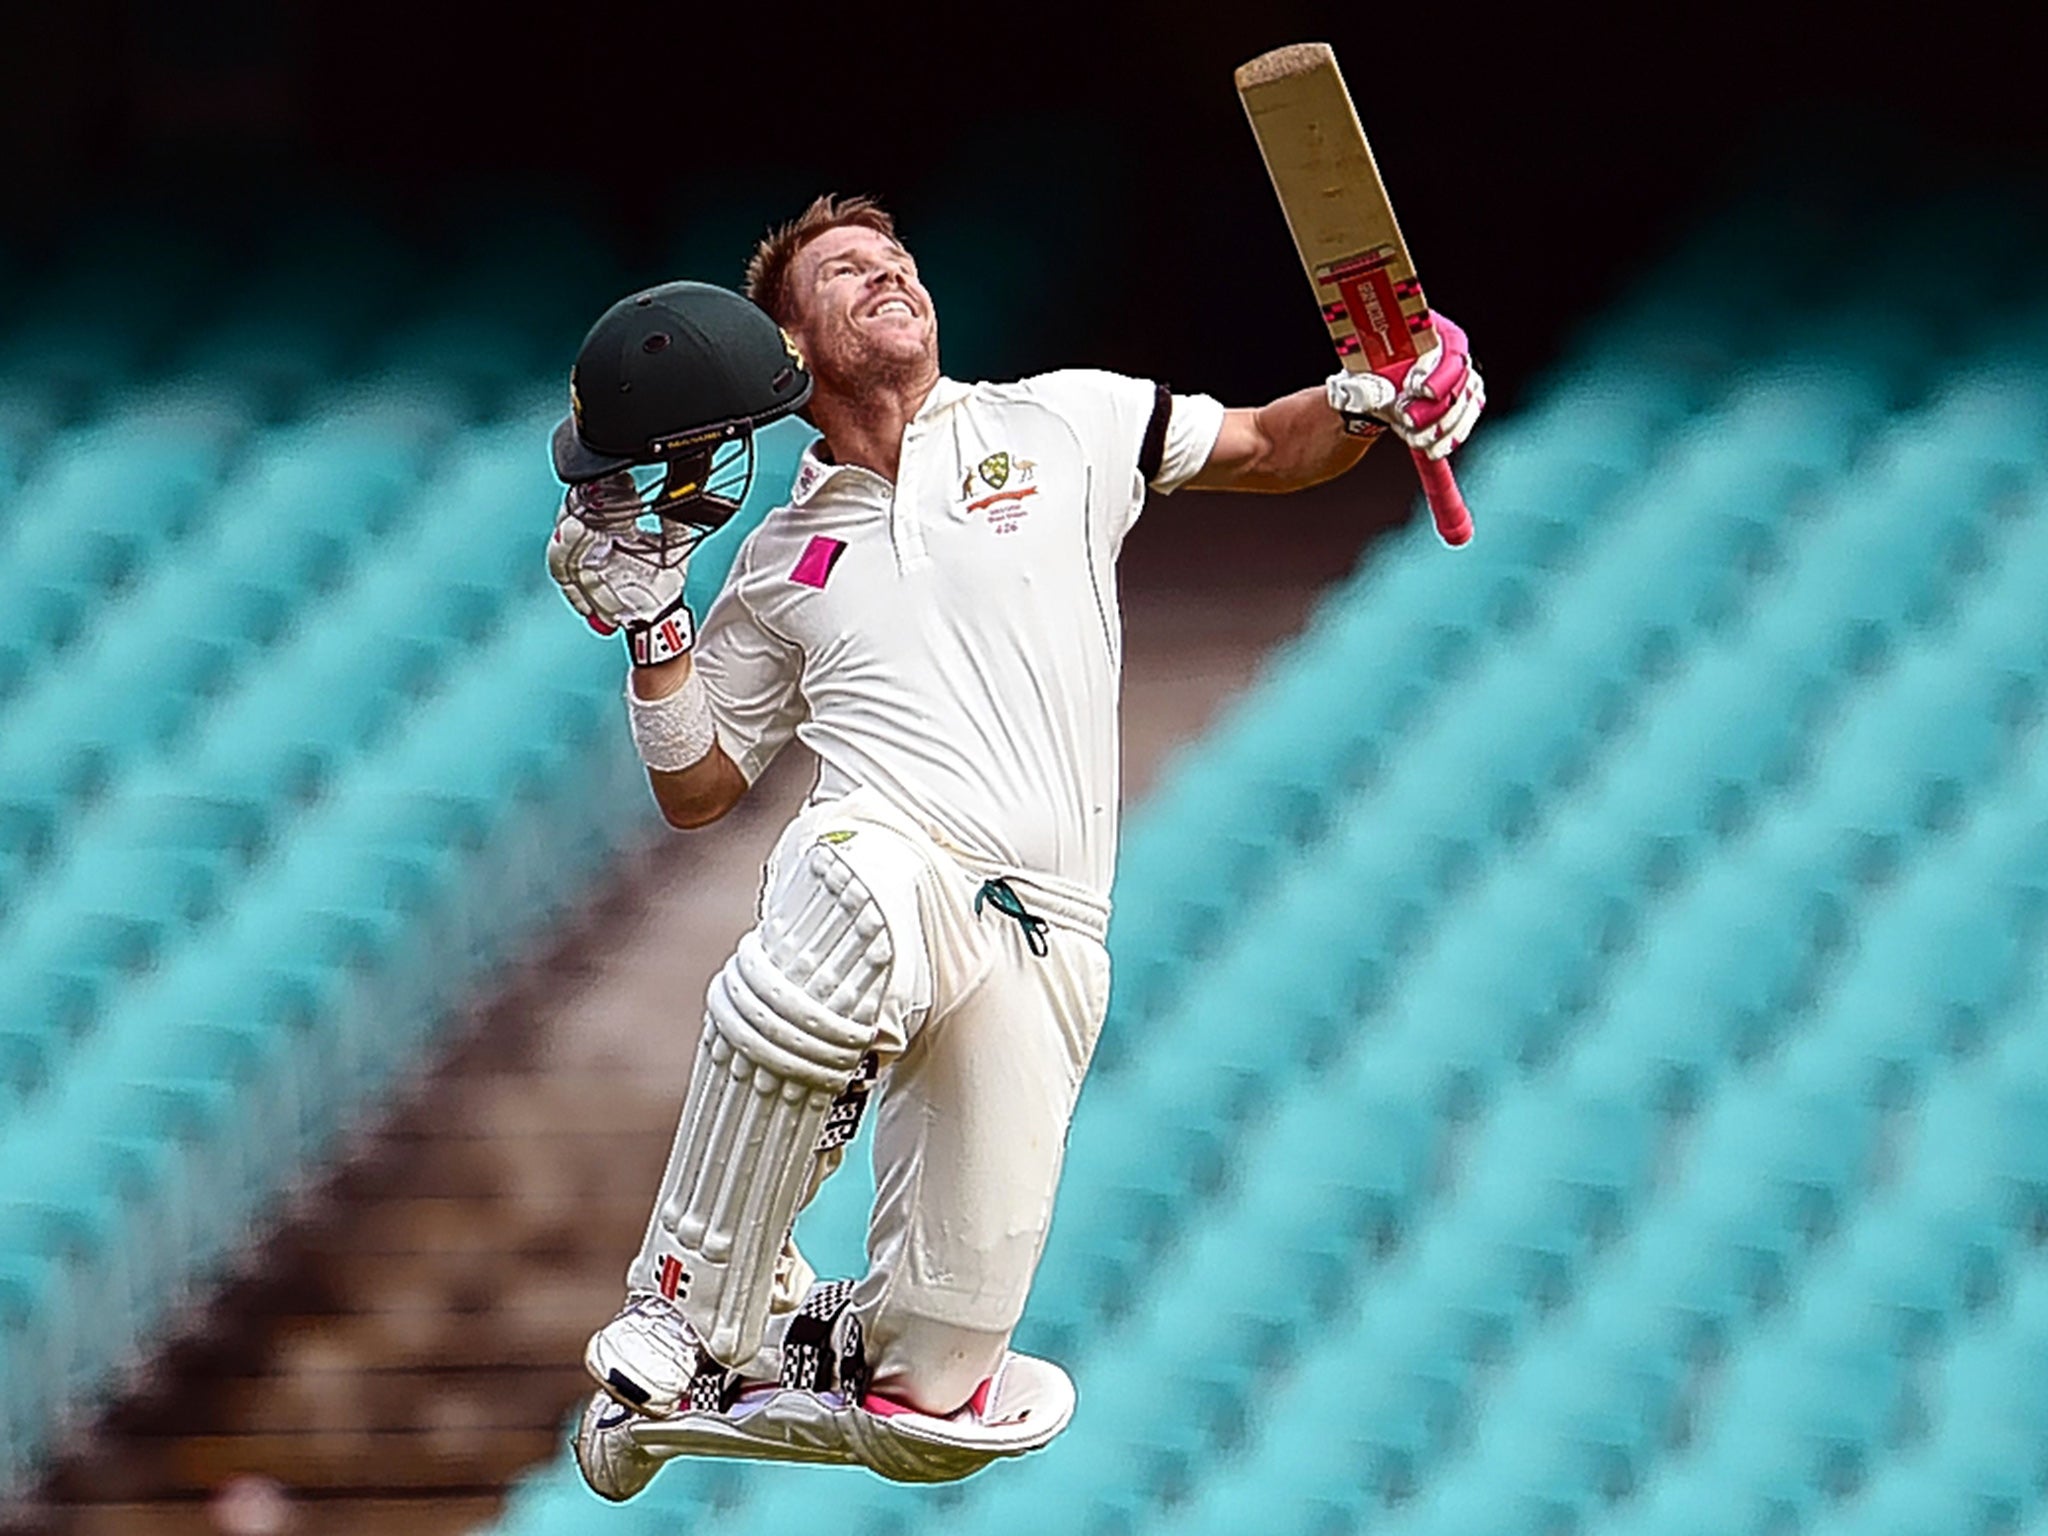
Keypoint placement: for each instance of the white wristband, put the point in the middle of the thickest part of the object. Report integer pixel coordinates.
(674, 732)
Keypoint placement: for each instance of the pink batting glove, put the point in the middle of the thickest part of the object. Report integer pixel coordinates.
(1439, 395)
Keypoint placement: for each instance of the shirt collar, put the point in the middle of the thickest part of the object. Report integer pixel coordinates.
(945, 394)
(814, 471)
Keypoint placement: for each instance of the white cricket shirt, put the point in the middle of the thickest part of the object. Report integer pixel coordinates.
(954, 641)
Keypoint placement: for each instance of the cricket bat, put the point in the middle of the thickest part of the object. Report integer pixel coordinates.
(1345, 230)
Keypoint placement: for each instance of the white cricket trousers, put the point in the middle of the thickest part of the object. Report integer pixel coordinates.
(983, 1046)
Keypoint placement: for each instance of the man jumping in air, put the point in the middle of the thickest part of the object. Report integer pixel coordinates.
(934, 613)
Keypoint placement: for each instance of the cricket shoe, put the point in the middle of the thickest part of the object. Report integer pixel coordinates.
(649, 1359)
(1023, 1407)
(606, 1454)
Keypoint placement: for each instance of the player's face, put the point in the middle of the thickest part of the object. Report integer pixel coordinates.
(859, 308)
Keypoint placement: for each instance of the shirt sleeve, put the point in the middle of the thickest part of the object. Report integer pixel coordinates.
(1140, 432)
(753, 677)
(1193, 423)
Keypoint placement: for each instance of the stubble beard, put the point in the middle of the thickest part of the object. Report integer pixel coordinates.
(856, 369)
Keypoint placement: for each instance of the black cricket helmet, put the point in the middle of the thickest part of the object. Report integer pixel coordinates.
(667, 391)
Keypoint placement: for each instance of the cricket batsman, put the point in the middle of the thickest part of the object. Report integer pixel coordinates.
(933, 612)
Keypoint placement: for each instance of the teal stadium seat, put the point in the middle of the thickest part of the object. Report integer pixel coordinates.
(70, 735)
(138, 477)
(27, 422)
(1979, 1467)
(40, 622)
(1548, 749)
(1322, 1187)
(1595, 412)
(325, 697)
(1905, 1505)
(1794, 1430)
(1925, 1262)
(1560, 907)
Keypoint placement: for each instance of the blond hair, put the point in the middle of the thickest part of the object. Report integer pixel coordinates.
(768, 268)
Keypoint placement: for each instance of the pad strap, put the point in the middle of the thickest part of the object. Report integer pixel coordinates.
(822, 1348)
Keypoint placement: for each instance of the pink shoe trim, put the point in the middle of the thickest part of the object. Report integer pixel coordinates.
(887, 1407)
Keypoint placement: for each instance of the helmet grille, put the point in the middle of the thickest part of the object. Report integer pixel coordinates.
(666, 508)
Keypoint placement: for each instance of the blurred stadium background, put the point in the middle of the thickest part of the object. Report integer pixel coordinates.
(1577, 1062)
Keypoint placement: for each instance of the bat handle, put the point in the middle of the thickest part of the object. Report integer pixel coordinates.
(1446, 501)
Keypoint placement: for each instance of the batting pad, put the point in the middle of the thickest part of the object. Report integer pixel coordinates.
(788, 1021)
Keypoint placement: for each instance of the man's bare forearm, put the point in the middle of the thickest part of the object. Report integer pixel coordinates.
(1293, 443)
(697, 795)
(1306, 443)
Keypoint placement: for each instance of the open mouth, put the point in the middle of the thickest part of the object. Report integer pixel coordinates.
(893, 306)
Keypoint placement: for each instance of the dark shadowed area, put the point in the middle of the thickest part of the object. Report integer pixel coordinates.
(1080, 178)
(1078, 181)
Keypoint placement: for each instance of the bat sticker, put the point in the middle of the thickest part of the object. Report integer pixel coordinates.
(1371, 305)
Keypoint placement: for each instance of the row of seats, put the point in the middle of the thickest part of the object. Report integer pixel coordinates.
(213, 1079)
(1736, 508)
(1547, 479)
(250, 703)
(1515, 947)
(298, 751)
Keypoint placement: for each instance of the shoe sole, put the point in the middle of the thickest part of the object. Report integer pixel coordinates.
(604, 1475)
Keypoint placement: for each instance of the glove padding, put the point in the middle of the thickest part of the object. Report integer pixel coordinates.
(1432, 406)
(618, 579)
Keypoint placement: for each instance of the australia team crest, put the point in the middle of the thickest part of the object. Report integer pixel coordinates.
(1000, 487)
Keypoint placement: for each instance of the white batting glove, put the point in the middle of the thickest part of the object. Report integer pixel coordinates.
(1434, 406)
(617, 579)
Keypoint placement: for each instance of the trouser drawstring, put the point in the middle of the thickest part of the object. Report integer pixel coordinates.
(999, 894)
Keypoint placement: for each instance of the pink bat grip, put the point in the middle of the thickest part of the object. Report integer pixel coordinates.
(1446, 501)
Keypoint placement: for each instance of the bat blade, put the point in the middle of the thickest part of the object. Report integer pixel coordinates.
(1344, 228)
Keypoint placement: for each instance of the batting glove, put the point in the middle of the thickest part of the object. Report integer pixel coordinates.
(619, 578)
(1432, 406)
